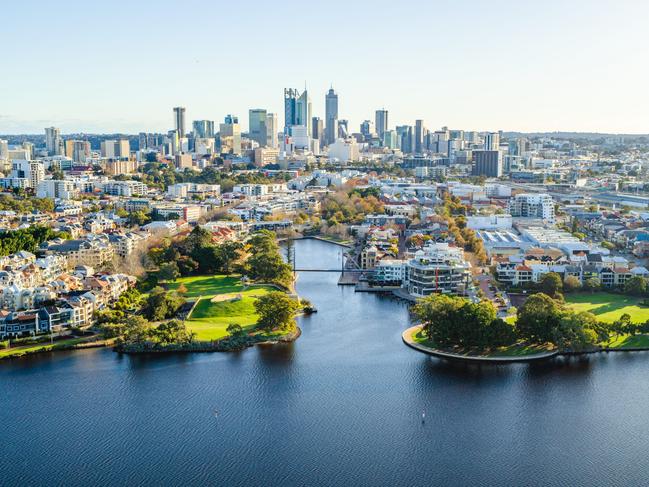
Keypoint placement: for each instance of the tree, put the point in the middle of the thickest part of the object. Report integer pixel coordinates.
(636, 286)
(592, 284)
(161, 304)
(168, 272)
(276, 311)
(538, 318)
(136, 330)
(172, 332)
(551, 284)
(571, 284)
(455, 321)
(576, 331)
(235, 330)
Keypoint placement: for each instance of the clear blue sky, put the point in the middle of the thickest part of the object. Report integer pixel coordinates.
(479, 65)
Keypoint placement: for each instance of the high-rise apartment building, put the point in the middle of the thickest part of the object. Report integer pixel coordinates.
(53, 141)
(179, 120)
(381, 122)
(4, 149)
(32, 171)
(528, 205)
(331, 116)
(116, 149)
(297, 110)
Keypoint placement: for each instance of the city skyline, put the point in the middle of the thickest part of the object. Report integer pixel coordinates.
(570, 67)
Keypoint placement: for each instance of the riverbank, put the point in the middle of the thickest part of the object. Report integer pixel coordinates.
(513, 354)
(76, 343)
(229, 344)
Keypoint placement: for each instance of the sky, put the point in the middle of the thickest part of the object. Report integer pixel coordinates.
(121, 66)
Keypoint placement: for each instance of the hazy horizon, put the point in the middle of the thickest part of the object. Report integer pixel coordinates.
(121, 67)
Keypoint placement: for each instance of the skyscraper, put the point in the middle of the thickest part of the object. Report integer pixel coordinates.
(381, 122)
(297, 109)
(491, 141)
(331, 116)
(53, 141)
(317, 129)
(203, 128)
(230, 135)
(179, 120)
(419, 137)
(367, 128)
(257, 125)
(271, 130)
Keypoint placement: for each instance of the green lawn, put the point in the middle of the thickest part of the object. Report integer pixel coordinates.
(515, 350)
(209, 320)
(40, 347)
(608, 307)
(628, 341)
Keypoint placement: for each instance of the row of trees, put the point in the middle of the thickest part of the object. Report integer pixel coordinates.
(455, 214)
(552, 285)
(259, 259)
(455, 321)
(26, 204)
(349, 207)
(28, 239)
(136, 330)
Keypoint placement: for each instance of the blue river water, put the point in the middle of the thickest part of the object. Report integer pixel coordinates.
(341, 406)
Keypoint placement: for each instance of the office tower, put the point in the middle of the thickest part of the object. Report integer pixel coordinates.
(203, 129)
(331, 116)
(53, 141)
(390, 139)
(419, 137)
(491, 141)
(367, 129)
(456, 134)
(257, 125)
(405, 138)
(297, 109)
(179, 120)
(381, 122)
(487, 163)
(343, 129)
(271, 130)
(317, 129)
(4, 149)
(230, 135)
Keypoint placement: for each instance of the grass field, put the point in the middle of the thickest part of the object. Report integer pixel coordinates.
(40, 347)
(608, 307)
(515, 350)
(209, 320)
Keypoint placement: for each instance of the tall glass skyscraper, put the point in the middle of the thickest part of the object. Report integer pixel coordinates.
(297, 109)
(331, 116)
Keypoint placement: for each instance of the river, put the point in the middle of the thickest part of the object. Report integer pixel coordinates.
(341, 406)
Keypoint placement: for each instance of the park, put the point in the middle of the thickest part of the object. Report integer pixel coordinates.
(222, 300)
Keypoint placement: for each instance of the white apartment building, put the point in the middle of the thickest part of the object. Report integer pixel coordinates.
(437, 268)
(57, 189)
(532, 206)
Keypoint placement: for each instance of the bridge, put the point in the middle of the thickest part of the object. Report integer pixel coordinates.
(329, 270)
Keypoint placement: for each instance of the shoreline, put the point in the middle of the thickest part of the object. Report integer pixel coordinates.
(222, 345)
(406, 337)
